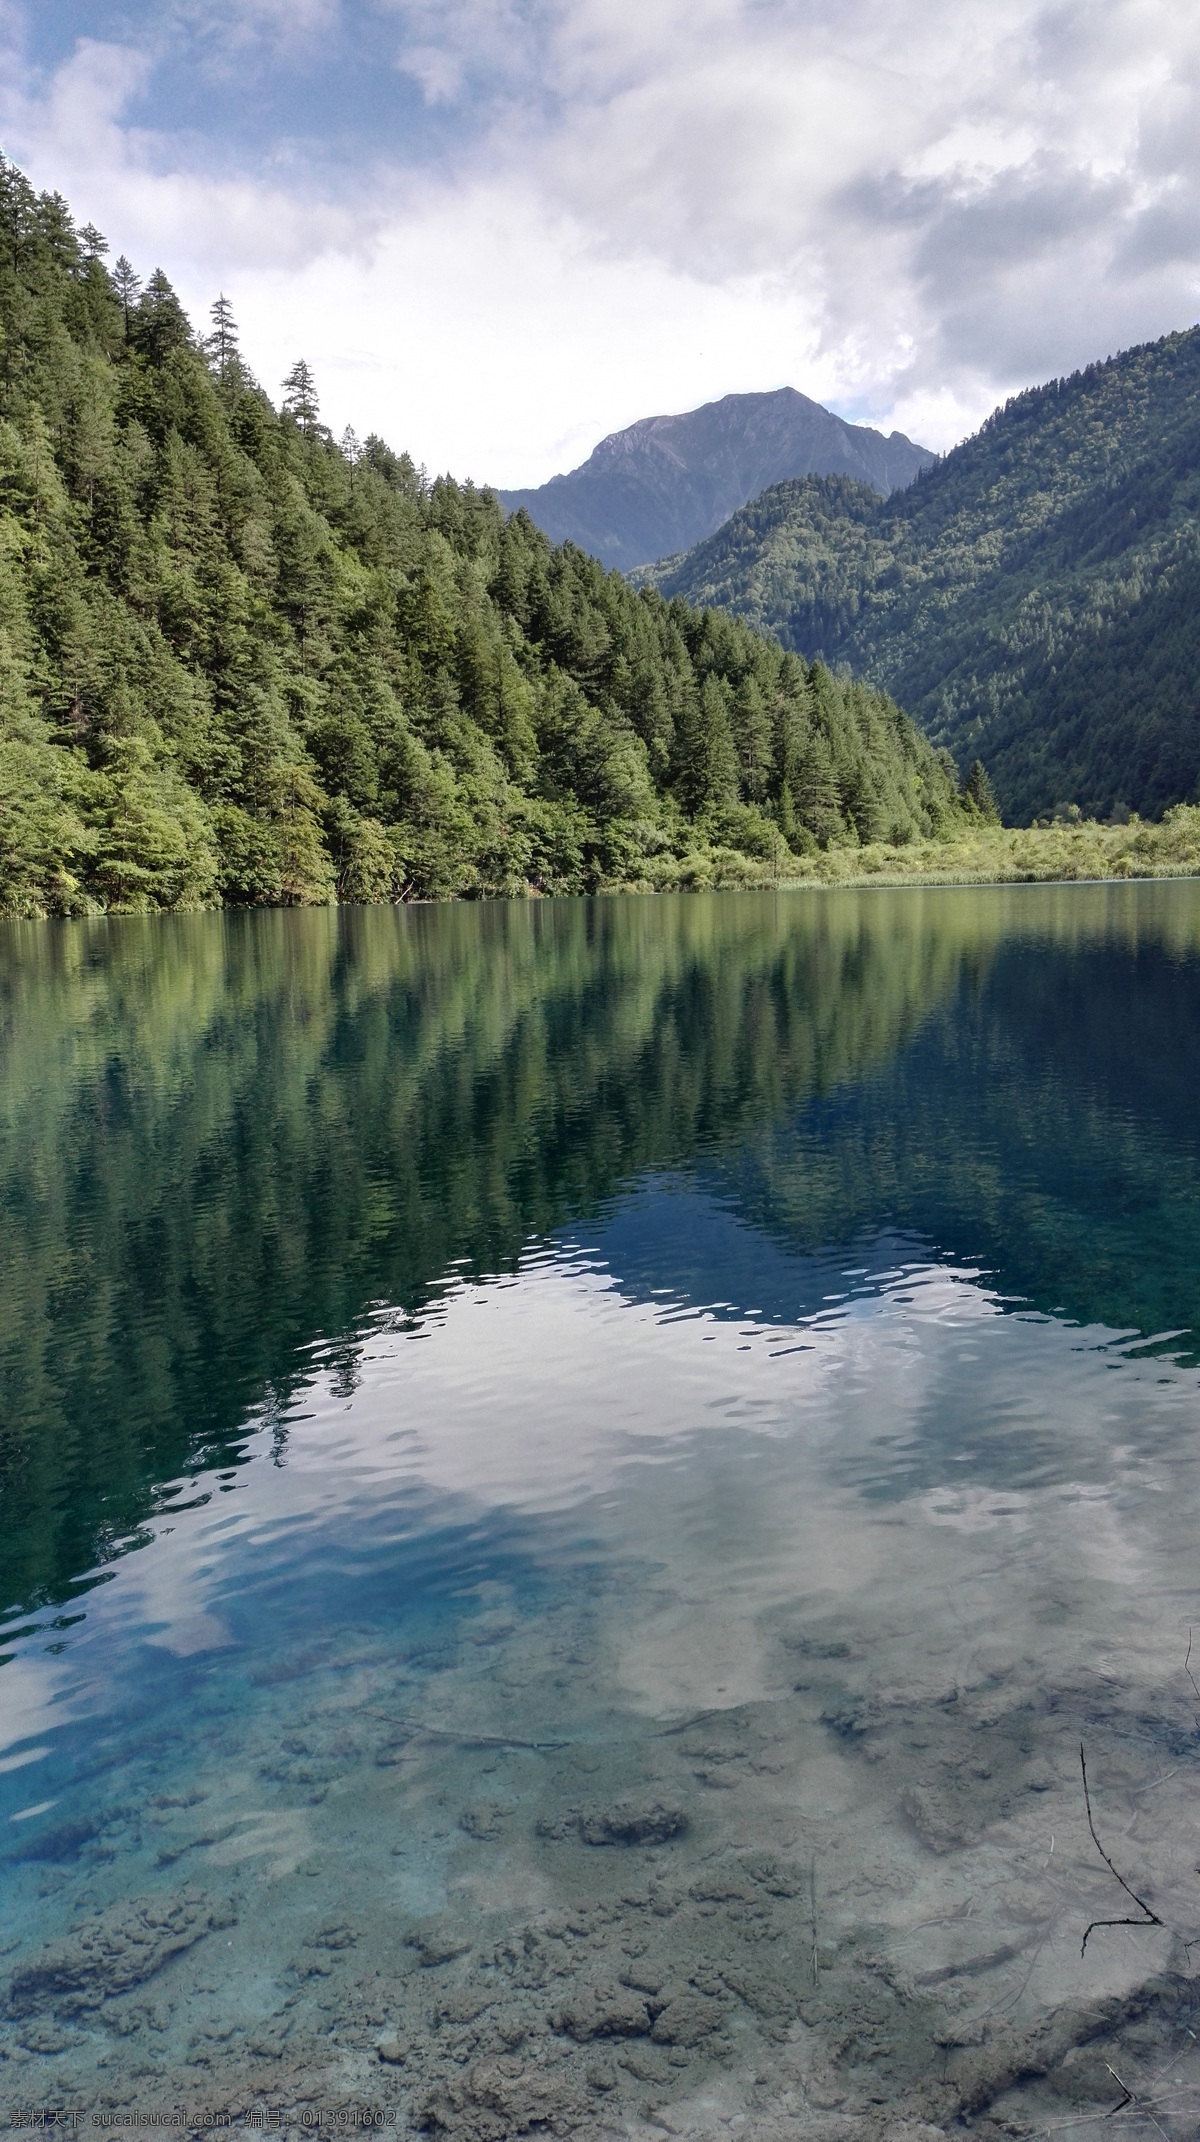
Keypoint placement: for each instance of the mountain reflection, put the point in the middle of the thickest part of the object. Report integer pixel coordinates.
(227, 1138)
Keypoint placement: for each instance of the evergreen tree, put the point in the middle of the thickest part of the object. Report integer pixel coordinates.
(128, 285)
(300, 396)
(57, 231)
(752, 731)
(814, 790)
(221, 344)
(979, 794)
(18, 215)
(160, 324)
(706, 766)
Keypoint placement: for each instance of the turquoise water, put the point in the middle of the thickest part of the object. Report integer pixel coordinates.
(572, 1480)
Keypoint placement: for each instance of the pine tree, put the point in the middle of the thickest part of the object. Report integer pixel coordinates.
(128, 286)
(18, 210)
(57, 230)
(752, 732)
(300, 396)
(815, 790)
(221, 346)
(160, 324)
(979, 794)
(706, 765)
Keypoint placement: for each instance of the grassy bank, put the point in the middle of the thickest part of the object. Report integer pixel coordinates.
(984, 855)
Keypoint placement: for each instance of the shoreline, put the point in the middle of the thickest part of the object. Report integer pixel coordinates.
(1086, 853)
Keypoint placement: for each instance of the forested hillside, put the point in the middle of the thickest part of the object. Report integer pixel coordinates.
(1033, 599)
(243, 663)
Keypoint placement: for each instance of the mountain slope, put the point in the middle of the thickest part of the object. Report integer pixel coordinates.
(240, 664)
(1033, 599)
(665, 482)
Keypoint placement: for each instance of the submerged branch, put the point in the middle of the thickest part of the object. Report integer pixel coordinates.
(1151, 1918)
(1191, 1676)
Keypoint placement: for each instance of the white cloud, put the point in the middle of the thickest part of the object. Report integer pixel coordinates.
(906, 211)
(452, 46)
(438, 73)
(491, 338)
(237, 25)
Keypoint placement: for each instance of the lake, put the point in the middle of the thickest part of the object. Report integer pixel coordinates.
(574, 1479)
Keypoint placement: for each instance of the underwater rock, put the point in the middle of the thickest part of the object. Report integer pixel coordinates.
(63, 1843)
(438, 1942)
(823, 2089)
(602, 2012)
(1083, 2078)
(687, 2019)
(45, 2036)
(940, 1826)
(481, 1820)
(632, 1822)
(498, 2098)
(114, 1952)
(645, 2065)
(1013, 2055)
(771, 1994)
(555, 1828)
(777, 1880)
(721, 1887)
(334, 1934)
(269, 2040)
(463, 2005)
(643, 1977)
(850, 1716)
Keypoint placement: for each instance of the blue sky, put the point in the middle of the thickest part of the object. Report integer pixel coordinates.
(252, 87)
(499, 229)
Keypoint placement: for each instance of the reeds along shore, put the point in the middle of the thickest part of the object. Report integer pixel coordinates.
(982, 855)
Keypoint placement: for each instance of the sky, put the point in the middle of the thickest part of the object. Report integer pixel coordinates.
(500, 229)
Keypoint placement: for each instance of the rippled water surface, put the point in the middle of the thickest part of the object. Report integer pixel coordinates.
(572, 1481)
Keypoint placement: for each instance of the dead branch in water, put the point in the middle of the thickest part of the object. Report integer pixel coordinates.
(1128, 2097)
(1151, 1918)
(1191, 1676)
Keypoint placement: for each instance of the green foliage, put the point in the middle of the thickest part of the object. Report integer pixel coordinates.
(982, 852)
(244, 664)
(979, 794)
(1034, 598)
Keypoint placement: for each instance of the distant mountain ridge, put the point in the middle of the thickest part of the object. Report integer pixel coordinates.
(666, 482)
(1033, 599)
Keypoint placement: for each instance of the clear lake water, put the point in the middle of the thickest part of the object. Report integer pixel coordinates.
(574, 1479)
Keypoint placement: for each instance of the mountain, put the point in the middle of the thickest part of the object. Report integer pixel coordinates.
(667, 481)
(1033, 599)
(240, 663)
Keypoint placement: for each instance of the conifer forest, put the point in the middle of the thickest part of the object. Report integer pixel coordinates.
(247, 663)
